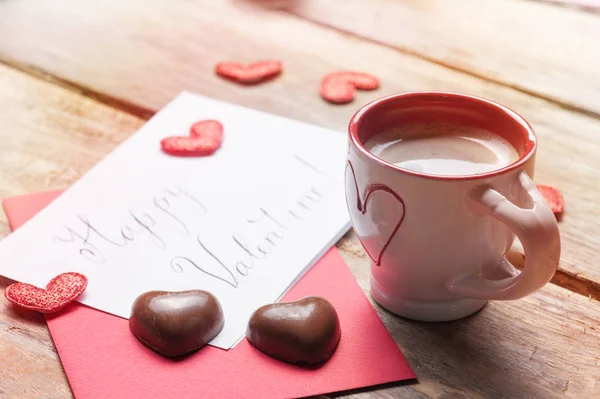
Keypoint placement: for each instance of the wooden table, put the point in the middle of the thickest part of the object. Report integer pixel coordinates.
(77, 77)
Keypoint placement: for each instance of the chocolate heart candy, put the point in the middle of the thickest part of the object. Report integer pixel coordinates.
(305, 331)
(175, 323)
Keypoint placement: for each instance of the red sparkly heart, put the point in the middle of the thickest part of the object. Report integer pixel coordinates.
(60, 291)
(204, 139)
(249, 74)
(553, 197)
(340, 87)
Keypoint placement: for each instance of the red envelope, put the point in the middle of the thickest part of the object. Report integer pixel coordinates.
(102, 359)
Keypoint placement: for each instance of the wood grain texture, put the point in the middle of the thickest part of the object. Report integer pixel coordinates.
(535, 47)
(143, 54)
(30, 365)
(49, 137)
(584, 5)
(41, 123)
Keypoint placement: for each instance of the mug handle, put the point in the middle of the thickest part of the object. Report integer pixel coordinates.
(538, 231)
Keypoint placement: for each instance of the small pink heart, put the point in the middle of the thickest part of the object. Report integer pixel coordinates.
(372, 223)
(204, 139)
(256, 72)
(60, 291)
(340, 87)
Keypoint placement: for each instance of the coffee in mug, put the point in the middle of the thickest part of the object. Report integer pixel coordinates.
(442, 148)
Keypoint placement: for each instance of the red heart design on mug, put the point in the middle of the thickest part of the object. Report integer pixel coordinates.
(375, 241)
(204, 139)
(249, 74)
(60, 291)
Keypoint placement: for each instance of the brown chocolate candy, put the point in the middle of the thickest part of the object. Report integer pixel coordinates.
(175, 323)
(305, 331)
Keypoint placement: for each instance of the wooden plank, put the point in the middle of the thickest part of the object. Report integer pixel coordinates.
(536, 47)
(158, 49)
(585, 5)
(33, 144)
(49, 137)
(30, 364)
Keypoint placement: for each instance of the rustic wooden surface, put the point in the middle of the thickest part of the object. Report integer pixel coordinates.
(80, 76)
(540, 49)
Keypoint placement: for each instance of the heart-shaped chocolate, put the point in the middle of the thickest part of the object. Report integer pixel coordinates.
(304, 331)
(175, 323)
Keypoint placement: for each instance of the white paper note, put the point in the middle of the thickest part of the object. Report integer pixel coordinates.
(244, 223)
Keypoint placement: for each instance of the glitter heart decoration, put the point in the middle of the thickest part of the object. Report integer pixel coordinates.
(204, 139)
(254, 73)
(553, 197)
(60, 291)
(340, 87)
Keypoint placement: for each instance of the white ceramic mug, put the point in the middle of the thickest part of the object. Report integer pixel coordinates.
(438, 243)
